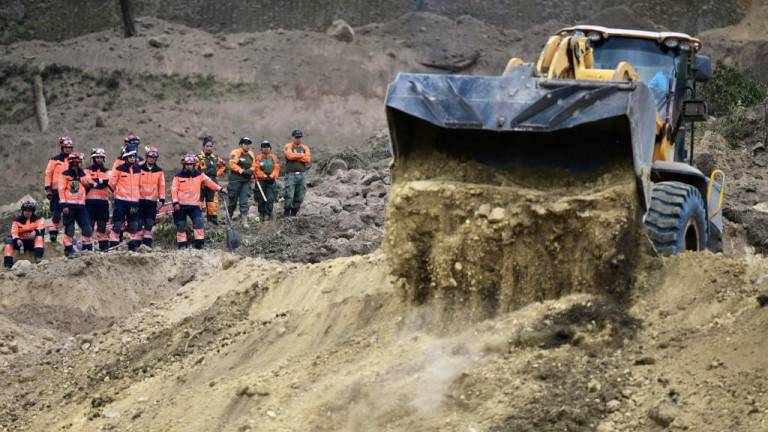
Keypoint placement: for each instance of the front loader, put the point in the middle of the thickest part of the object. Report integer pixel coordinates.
(595, 96)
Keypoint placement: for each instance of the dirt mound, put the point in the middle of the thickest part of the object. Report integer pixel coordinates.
(332, 346)
(506, 239)
(47, 303)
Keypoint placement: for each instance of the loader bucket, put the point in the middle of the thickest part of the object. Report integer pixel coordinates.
(513, 189)
(521, 122)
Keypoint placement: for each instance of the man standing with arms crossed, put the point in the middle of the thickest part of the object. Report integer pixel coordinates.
(297, 160)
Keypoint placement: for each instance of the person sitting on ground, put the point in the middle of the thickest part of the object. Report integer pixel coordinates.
(56, 165)
(185, 195)
(267, 170)
(97, 196)
(72, 189)
(211, 165)
(151, 191)
(298, 157)
(27, 233)
(241, 167)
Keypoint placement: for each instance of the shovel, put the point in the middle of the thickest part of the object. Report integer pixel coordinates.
(233, 235)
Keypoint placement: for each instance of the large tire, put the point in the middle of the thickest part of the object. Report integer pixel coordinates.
(676, 220)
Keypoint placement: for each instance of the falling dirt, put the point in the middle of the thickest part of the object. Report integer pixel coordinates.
(509, 238)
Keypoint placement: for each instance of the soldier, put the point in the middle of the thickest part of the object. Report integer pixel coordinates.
(212, 166)
(297, 160)
(267, 170)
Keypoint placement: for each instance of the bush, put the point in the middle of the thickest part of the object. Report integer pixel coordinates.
(730, 90)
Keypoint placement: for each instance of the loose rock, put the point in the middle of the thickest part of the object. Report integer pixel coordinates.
(664, 413)
(341, 31)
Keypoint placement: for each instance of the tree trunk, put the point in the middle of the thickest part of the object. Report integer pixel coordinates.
(128, 25)
(40, 109)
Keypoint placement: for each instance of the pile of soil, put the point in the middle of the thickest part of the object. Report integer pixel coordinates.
(259, 345)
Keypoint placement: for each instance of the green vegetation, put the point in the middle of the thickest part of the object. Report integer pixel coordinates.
(730, 95)
(731, 88)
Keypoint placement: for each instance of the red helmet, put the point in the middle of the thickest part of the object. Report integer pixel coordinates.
(75, 157)
(188, 159)
(152, 152)
(66, 141)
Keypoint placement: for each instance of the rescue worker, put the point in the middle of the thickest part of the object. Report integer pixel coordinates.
(267, 169)
(297, 160)
(124, 182)
(72, 190)
(56, 165)
(211, 165)
(97, 197)
(130, 143)
(151, 191)
(27, 233)
(241, 162)
(185, 195)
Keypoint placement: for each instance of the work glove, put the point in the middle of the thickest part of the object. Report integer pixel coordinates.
(223, 190)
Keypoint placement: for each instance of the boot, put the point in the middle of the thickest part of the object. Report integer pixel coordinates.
(103, 245)
(213, 220)
(8, 262)
(294, 211)
(286, 212)
(146, 242)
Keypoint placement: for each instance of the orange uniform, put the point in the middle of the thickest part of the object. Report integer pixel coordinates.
(262, 162)
(297, 157)
(151, 183)
(28, 229)
(185, 189)
(99, 176)
(124, 182)
(56, 165)
(72, 187)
